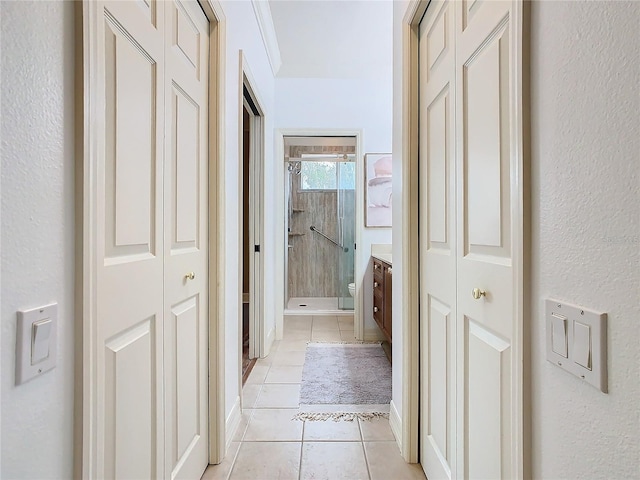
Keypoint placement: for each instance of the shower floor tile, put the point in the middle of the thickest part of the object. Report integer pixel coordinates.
(314, 306)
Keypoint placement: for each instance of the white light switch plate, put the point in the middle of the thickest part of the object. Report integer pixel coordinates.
(586, 342)
(28, 364)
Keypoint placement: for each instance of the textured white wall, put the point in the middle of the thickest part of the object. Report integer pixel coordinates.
(585, 59)
(37, 229)
(243, 34)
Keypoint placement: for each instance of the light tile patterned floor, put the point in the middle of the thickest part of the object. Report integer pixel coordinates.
(269, 445)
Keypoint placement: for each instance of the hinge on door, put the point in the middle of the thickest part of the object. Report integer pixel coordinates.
(256, 248)
(354, 246)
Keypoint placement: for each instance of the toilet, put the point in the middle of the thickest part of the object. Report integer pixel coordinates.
(352, 289)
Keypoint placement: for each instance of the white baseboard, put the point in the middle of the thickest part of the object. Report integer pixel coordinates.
(232, 423)
(373, 335)
(396, 424)
(271, 336)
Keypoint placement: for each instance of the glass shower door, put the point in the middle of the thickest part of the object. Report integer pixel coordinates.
(346, 172)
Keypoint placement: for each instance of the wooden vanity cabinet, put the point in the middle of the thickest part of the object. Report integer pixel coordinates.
(382, 279)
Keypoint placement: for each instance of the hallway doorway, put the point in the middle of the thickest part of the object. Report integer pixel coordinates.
(320, 197)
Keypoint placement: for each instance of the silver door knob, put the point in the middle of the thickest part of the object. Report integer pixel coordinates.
(477, 293)
(190, 276)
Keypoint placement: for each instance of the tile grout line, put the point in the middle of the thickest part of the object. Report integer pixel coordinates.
(364, 450)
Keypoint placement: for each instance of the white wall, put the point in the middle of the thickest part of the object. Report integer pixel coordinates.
(585, 59)
(343, 104)
(37, 62)
(243, 34)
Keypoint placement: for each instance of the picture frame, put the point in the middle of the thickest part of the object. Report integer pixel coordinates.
(378, 190)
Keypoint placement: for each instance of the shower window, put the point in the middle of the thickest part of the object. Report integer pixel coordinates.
(318, 176)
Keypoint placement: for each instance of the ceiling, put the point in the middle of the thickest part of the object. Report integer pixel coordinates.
(333, 39)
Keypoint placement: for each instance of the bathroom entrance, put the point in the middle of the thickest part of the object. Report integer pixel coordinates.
(320, 224)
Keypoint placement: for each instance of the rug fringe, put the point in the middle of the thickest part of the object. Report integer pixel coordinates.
(338, 416)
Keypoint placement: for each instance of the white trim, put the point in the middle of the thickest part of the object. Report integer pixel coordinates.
(280, 216)
(268, 31)
(410, 259)
(217, 426)
(258, 342)
(396, 423)
(232, 423)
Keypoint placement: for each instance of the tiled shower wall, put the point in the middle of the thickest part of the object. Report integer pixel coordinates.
(313, 260)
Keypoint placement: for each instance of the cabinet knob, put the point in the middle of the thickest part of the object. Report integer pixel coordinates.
(477, 293)
(376, 266)
(375, 309)
(190, 276)
(375, 284)
(389, 270)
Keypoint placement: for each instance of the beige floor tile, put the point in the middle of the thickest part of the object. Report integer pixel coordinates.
(292, 346)
(345, 323)
(297, 322)
(250, 393)
(258, 374)
(278, 396)
(331, 431)
(325, 323)
(326, 336)
(385, 462)
(333, 461)
(267, 461)
(376, 430)
(242, 427)
(296, 335)
(284, 374)
(289, 358)
(222, 470)
(266, 361)
(274, 425)
(347, 335)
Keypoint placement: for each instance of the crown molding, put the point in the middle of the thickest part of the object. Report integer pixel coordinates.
(268, 31)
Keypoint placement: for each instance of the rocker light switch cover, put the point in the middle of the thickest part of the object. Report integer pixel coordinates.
(586, 341)
(36, 335)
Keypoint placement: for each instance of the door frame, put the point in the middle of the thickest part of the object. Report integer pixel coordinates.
(259, 341)
(411, 254)
(86, 148)
(280, 134)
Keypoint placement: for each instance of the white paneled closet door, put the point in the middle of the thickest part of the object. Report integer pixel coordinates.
(186, 234)
(471, 333)
(149, 378)
(437, 242)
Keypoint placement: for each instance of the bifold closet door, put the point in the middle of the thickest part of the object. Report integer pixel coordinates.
(148, 382)
(186, 234)
(490, 231)
(471, 231)
(437, 242)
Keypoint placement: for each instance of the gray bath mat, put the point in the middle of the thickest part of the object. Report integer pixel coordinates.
(344, 381)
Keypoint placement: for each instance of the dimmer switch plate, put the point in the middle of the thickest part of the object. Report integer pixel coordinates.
(36, 335)
(577, 341)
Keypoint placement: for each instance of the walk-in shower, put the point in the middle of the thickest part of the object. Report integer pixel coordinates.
(320, 224)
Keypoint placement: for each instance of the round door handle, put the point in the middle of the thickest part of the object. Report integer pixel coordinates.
(190, 276)
(477, 293)
(375, 284)
(375, 309)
